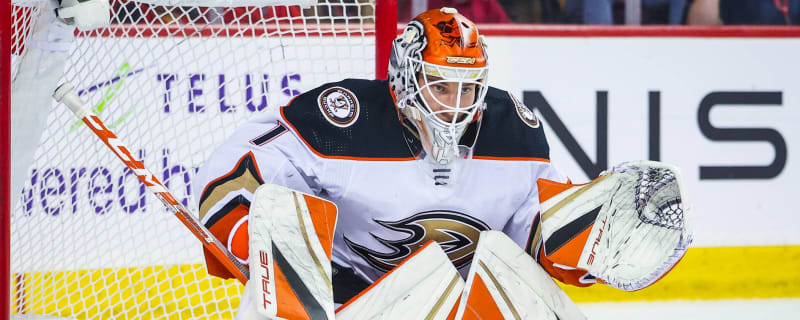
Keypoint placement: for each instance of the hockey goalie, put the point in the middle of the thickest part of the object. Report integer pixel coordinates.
(427, 196)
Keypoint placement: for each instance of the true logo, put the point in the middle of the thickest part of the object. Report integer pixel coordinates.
(339, 106)
(265, 278)
(590, 260)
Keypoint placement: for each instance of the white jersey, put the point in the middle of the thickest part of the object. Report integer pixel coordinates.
(344, 143)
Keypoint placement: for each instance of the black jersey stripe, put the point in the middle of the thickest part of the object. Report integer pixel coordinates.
(269, 135)
(227, 208)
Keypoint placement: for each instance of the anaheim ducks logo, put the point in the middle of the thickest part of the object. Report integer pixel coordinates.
(339, 106)
(456, 233)
(449, 31)
(451, 34)
(525, 113)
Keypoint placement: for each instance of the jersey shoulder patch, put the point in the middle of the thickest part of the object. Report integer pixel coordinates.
(510, 130)
(339, 106)
(525, 114)
(351, 118)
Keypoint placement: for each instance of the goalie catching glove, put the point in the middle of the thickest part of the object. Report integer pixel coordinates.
(627, 228)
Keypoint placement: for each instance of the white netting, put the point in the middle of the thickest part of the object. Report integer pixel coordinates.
(172, 82)
(23, 19)
(670, 213)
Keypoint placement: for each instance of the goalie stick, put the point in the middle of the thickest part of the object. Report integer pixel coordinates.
(66, 94)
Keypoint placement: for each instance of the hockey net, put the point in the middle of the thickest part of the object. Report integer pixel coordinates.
(173, 78)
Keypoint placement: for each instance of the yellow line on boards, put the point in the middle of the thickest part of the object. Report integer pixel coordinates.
(714, 273)
(152, 292)
(187, 291)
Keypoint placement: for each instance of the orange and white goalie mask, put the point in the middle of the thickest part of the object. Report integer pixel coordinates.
(438, 76)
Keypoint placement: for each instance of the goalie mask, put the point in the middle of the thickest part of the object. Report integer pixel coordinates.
(437, 73)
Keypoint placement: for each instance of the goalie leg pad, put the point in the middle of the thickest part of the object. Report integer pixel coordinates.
(291, 236)
(424, 286)
(506, 283)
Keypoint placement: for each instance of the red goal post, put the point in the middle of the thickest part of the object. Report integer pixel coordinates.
(5, 161)
(173, 81)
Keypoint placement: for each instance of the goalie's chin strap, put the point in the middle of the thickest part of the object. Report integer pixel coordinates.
(346, 283)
